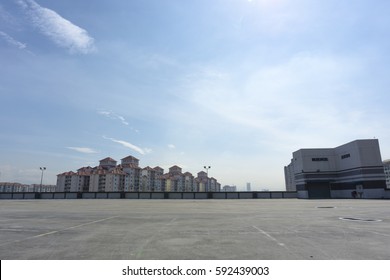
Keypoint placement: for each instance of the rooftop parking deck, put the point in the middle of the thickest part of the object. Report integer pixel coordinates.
(195, 229)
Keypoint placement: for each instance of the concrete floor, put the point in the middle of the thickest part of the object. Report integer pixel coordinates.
(270, 229)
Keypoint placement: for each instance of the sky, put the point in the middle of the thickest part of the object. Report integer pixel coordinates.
(237, 85)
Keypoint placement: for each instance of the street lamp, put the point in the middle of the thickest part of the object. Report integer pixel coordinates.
(42, 169)
(207, 172)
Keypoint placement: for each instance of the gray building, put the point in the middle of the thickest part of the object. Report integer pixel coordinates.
(386, 166)
(354, 170)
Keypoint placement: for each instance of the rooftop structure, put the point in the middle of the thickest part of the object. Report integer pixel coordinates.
(351, 170)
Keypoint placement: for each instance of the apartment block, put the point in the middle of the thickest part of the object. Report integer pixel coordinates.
(128, 176)
(17, 187)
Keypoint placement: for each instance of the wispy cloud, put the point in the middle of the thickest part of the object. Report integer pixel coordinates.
(304, 92)
(130, 146)
(12, 41)
(83, 150)
(60, 30)
(113, 116)
(171, 146)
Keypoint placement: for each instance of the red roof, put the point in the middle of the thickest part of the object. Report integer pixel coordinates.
(130, 157)
(107, 159)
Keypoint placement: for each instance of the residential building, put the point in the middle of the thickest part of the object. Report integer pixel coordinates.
(17, 187)
(107, 180)
(148, 176)
(202, 182)
(159, 181)
(13, 187)
(130, 166)
(68, 182)
(129, 177)
(354, 170)
(228, 188)
(189, 182)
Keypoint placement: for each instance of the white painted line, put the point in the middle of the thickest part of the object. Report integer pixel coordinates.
(89, 223)
(269, 236)
(57, 231)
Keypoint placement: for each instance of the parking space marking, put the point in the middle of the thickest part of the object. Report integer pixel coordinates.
(269, 236)
(57, 231)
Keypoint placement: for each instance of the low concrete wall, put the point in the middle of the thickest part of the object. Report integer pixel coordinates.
(144, 195)
(59, 195)
(101, 195)
(189, 195)
(277, 195)
(264, 195)
(175, 195)
(18, 196)
(157, 195)
(88, 195)
(245, 195)
(151, 195)
(200, 195)
(367, 193)
(219, 195)
(115, 195)
(290, 195)
(47, 195)
(231, 195)
(5, 195)
(29, 195)
(132, 195)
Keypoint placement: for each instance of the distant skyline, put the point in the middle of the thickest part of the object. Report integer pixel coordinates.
(237, 85)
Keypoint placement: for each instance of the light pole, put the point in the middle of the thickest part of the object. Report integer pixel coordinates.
(42, 169)
(207, 172)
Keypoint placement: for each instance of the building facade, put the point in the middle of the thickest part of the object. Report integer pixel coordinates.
(17, 187)
(386, 167)
(353, 170)
(228, 188)
(129, 177)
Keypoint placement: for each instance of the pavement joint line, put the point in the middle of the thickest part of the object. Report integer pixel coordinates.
(56, 231)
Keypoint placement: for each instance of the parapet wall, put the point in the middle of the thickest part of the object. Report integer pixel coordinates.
(149, 195)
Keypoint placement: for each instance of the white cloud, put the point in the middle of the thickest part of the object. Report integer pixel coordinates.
(171, 146)
(130, 146)
(309, 94)
(24, 175)
(113, 116)
(63, 32)
(12, 41)
(82, 150)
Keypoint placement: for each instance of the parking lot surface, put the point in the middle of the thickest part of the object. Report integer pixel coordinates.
(264, 229)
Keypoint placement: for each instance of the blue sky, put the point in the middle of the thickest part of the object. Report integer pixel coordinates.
(234, 84)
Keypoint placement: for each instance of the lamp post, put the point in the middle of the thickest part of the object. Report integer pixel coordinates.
(207, 172)
(42, 169)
